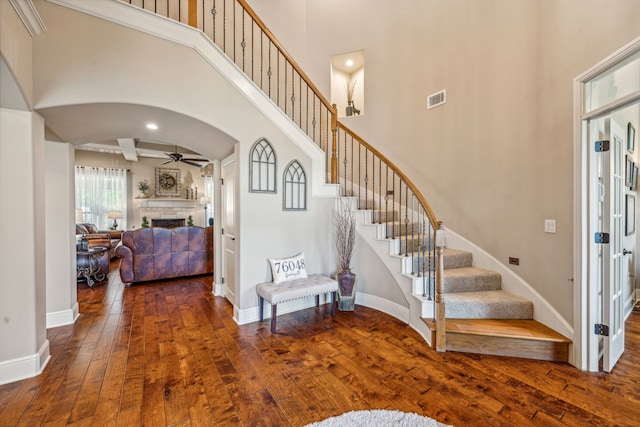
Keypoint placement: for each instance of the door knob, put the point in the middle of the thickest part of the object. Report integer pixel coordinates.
(626, 252)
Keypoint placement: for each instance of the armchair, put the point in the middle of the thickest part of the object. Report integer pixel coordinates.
(105, 238)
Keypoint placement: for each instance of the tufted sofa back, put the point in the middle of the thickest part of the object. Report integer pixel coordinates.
(162, 253)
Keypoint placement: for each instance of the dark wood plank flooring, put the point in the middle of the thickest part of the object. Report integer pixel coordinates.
(169, 353)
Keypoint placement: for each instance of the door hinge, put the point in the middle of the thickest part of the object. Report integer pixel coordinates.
(601, 237)
(222, 179)
(601, 329)
(222, 231)
(602, 146)
(222, 280)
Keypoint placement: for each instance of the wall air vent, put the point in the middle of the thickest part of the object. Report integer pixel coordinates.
(436, 99)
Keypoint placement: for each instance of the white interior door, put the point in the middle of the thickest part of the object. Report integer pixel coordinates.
(616, 270)
(229, 227)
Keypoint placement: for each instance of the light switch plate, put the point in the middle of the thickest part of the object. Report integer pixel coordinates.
(549, 225)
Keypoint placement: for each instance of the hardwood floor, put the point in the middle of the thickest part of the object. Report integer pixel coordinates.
(169, 353)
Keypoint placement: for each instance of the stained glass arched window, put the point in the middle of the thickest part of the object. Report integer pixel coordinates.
(262, 167)
(295, 187)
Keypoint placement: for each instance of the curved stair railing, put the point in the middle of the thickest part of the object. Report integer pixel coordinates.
(361, 170)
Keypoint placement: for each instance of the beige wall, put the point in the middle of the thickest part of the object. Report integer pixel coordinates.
(496, 160)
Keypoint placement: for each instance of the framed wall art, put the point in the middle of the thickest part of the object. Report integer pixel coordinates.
(631, 138)
(628, 172)
(168, 182)
(630, 216)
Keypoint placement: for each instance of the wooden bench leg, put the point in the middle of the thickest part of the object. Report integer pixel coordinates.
(318, 300)
(333, 303)
(274, 310)
(261, 309)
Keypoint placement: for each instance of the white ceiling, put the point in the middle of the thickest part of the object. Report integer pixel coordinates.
(97, 127)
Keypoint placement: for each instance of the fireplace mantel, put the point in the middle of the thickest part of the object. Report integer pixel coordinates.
(167, 203)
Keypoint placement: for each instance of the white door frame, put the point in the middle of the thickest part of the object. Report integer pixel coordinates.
(585, 347)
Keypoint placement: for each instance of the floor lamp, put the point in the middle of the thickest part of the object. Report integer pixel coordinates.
(205, 200)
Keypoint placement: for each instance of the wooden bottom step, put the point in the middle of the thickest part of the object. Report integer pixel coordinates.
(527, 339)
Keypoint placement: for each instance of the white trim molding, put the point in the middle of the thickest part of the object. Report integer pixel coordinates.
(384, 305)
(25, 367)
(62, 318)
(29, 16)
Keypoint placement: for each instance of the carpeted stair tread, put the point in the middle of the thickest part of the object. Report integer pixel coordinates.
(470, 279)
(399, 228)
(487, 304)
(380, 216)
(454, 258)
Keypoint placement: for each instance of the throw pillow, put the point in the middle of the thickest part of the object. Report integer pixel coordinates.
(287, 269)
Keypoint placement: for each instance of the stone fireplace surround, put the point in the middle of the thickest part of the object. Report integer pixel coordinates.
(166, 208)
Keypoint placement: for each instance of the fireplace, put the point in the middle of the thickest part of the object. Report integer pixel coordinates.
(167, 222)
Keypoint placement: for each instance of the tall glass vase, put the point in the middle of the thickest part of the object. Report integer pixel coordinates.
(346, 290)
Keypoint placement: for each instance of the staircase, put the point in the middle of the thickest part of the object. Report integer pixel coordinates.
(481, 318)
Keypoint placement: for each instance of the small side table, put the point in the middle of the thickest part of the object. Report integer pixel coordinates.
(88, 264)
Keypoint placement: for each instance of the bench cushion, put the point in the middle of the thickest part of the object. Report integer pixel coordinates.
(315, 284)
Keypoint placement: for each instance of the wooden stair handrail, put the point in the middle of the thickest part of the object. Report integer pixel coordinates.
(432, 217)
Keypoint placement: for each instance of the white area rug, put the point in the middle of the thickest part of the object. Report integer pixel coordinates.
(378, 418)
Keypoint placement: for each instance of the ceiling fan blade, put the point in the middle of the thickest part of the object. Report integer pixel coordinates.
(169, 161)
(191, 163)
(195, 160)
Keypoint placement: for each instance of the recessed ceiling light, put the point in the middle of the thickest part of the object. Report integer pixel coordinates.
(349, 62)
(152, 126)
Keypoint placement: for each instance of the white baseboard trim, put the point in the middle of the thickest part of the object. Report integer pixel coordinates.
(383, 305)
(25, 367)
(218, 290)
(252, 314)
(64, 317)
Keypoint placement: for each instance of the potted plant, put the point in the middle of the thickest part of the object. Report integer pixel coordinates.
(350, 90)
(143, 187)
(145, 222)
(345, 223)
(190, 221)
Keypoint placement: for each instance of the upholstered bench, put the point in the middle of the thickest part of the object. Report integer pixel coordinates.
(313, 285)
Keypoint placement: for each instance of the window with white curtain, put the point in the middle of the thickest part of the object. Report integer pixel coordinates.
(98, 191)
(208, 192)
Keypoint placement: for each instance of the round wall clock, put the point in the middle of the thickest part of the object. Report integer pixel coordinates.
(167, 181)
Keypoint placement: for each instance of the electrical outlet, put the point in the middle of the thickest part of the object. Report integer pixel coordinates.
(549, 225)
(514, 261)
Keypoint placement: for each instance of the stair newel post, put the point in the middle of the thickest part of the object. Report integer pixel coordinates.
(441, 340)
(334, 144)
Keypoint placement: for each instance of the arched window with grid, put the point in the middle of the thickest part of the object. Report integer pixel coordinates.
(295, 187)
(262, 170)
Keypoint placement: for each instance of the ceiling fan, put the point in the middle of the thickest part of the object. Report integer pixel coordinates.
(177, 157)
